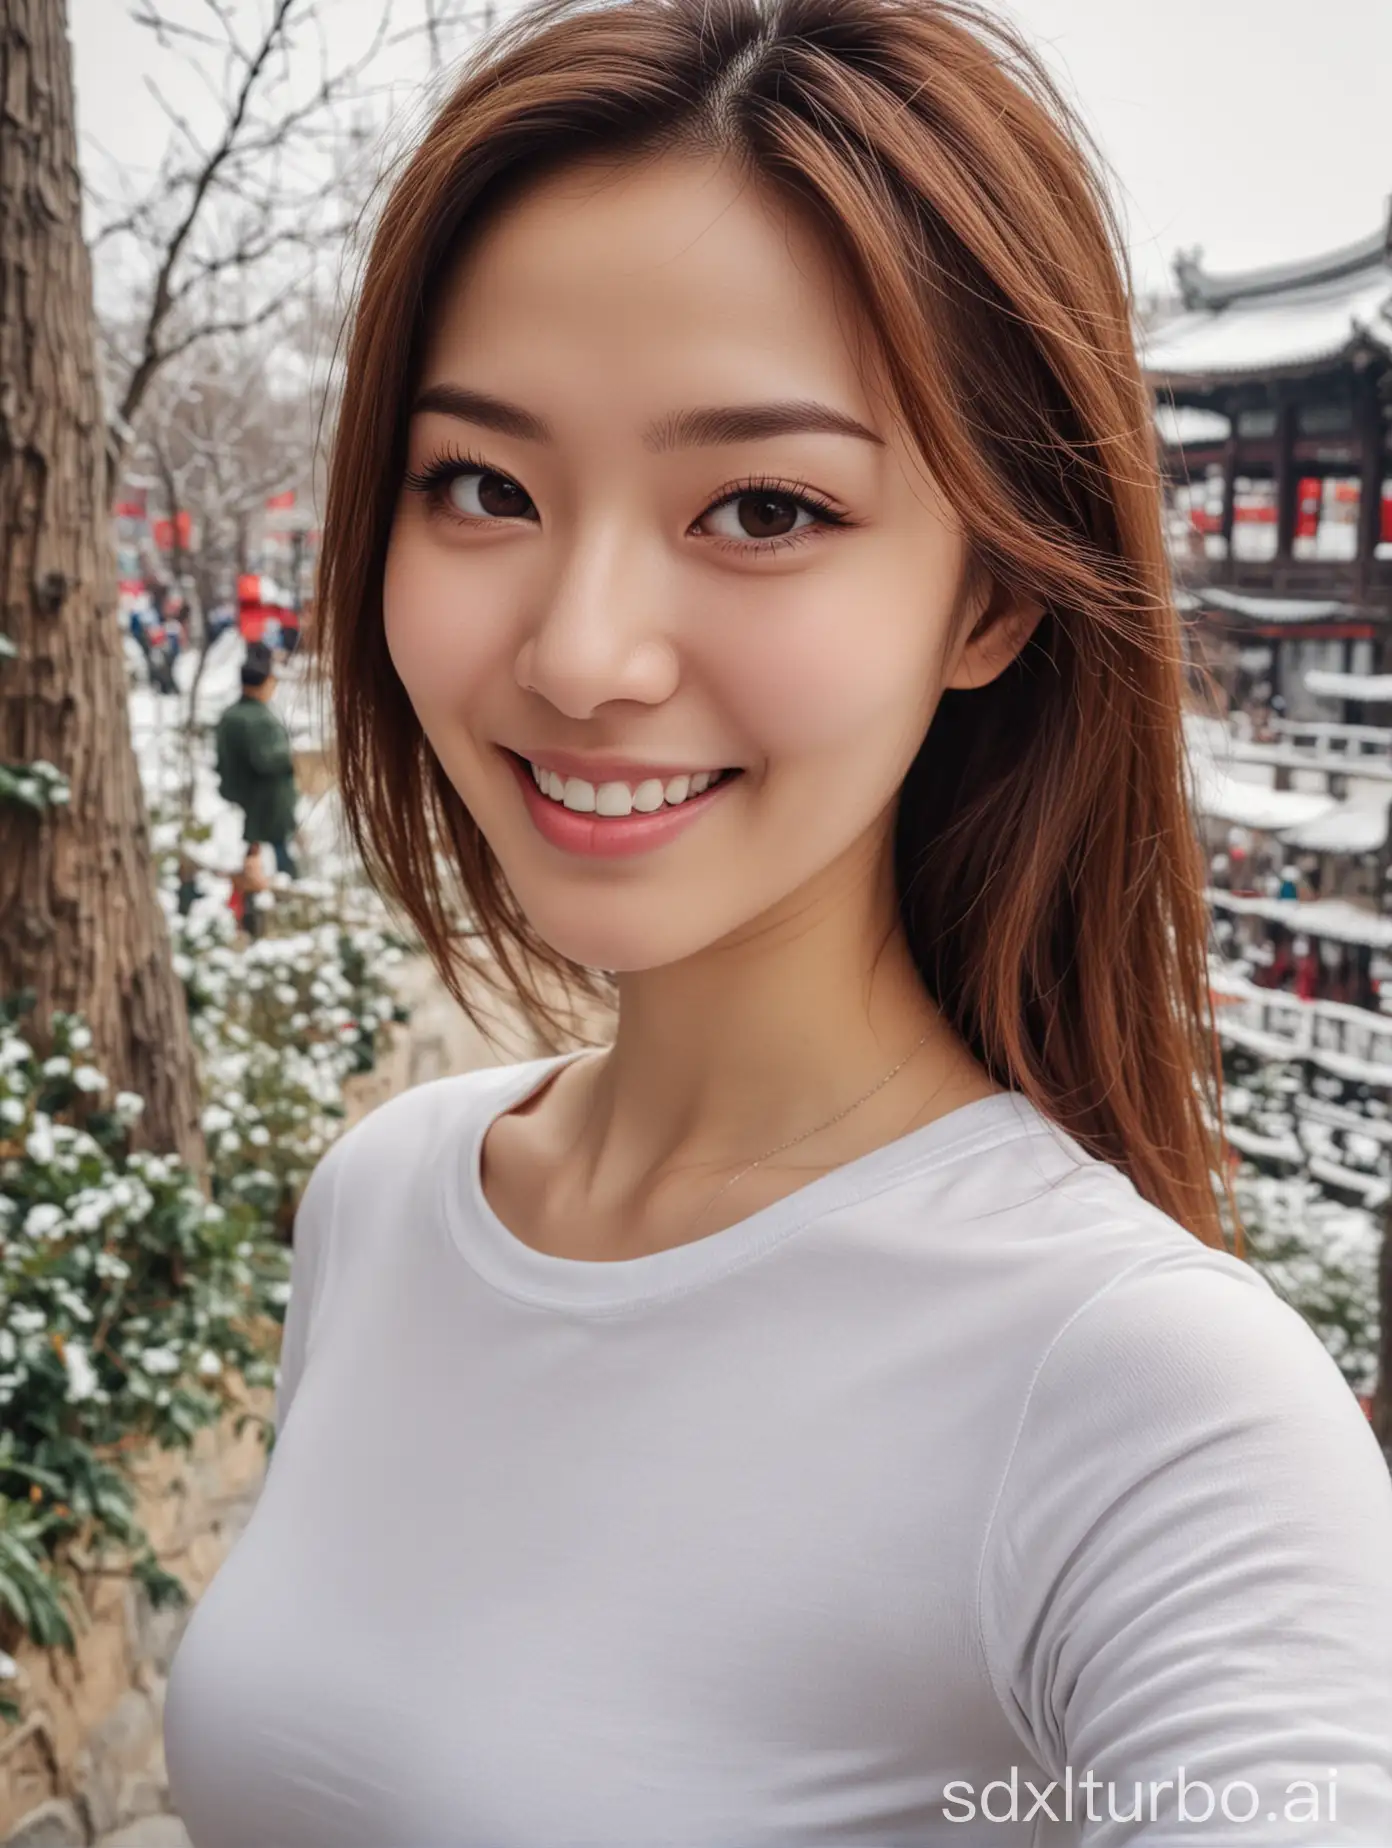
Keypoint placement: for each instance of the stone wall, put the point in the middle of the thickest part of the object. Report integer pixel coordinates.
(87, 1764)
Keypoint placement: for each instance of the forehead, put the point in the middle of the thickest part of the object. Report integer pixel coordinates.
(679, 274)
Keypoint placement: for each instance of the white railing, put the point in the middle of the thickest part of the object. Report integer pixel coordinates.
(1349, 1042)
(1326, 739)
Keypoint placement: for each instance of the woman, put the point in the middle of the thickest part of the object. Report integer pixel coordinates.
(826, 1413)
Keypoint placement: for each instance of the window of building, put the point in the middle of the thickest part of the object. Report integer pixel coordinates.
(1256, 423)
(1326, 517)
(1254, 517)
(1195, 520)
(1324, 417)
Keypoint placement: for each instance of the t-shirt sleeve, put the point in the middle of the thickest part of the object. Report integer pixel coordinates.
(309, 1269)
(1188, 1574)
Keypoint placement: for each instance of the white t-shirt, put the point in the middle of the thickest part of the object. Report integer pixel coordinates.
(961, 1466)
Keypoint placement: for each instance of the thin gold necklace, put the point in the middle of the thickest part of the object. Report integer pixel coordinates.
(807, 1134)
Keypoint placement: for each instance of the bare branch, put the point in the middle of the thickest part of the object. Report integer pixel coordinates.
(166, 31)
(179, 122)
(160, 300)
(209, 329)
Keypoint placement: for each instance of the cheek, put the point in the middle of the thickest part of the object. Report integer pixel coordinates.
(443, 641)
(834, 683)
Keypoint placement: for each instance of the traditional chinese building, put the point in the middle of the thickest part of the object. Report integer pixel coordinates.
(1274, 400)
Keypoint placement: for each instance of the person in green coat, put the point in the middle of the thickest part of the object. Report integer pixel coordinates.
(256, 770)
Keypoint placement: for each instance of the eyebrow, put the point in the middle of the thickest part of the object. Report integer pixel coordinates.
(731, 423)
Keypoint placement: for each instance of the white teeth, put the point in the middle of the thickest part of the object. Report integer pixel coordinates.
(619, 799)
(613, 799)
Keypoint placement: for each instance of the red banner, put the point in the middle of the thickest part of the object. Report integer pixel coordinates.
(163, 532)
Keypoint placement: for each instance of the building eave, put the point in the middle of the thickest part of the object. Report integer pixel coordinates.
(1203, 289)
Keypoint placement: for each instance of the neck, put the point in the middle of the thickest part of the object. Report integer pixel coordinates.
(768, 1033)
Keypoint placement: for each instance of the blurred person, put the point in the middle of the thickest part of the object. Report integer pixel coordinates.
(255, 762)
(248, 883)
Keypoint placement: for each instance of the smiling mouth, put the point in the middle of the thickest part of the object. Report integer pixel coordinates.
(616, 800)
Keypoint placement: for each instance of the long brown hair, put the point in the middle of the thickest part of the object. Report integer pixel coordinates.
(1049, 872)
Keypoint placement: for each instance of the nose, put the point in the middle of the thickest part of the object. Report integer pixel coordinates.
(599, 637)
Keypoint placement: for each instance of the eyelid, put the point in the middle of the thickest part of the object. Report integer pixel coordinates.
(436, 474)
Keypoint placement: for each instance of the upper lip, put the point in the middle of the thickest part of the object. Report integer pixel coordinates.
(597, 770)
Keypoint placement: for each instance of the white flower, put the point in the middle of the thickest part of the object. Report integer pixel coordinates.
(39, 1143)
(11, 1110)
(215, 1119)
(260, 1135)
(80, 1039)
(87, 1210)
(160, 1360)
(209, 1363)
(9, 1347)
(14, 1052)
(43, 1221)
(129, 1106)
(82, 1375)
(88, 1078)
(27, 1321)
(9, 1668)
(56, 1068)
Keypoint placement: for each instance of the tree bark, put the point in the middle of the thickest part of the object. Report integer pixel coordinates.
(80, 921)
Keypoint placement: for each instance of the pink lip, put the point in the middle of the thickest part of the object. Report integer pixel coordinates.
(608, 836)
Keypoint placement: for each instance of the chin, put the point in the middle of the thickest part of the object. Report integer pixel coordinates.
(617, 936)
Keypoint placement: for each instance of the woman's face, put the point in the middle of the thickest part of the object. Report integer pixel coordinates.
(660, 523)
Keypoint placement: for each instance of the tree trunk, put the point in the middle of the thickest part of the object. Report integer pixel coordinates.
(80, 922)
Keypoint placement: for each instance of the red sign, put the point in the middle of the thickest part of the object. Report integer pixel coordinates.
(163, 532)
(275, 501)
(1307, 506)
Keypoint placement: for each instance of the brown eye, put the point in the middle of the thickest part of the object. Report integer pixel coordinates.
(767, 516)
(757, 515)
(484, 494)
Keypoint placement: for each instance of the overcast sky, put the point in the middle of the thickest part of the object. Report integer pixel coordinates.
(1259, 129)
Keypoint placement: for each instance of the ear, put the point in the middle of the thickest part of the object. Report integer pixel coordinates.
(992, 643)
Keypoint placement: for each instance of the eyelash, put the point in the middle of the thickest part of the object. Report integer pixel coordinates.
(434, 478)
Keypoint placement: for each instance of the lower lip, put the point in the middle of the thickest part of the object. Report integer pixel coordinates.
(610, 837)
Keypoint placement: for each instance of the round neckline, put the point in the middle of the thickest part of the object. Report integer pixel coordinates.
(600, 1286)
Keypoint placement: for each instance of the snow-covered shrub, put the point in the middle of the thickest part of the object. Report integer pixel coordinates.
(127, 1298)
(280, 1023)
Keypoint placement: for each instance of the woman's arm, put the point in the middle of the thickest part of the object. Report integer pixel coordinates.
(1189, 1573)
(309, 1269)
